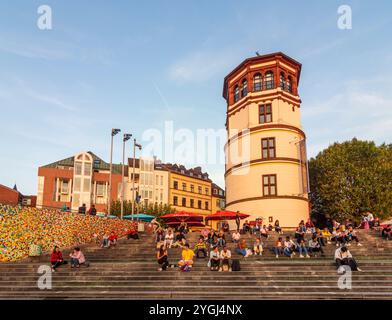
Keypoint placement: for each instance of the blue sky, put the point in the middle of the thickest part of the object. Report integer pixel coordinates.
(133, 65)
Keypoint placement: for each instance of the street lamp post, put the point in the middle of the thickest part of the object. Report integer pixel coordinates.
(127, 136)
(114, 132)
(133, 174)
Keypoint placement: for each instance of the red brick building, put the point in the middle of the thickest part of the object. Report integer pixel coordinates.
(14, 197)
(77, 180)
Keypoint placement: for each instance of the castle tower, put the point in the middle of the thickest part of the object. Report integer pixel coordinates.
(266, 167)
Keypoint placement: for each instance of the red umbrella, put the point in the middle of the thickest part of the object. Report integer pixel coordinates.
(182, 216)
(192, 223)
(226, 215)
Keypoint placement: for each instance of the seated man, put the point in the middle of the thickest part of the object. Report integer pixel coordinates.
(242, 249)
(246, 227)
(258, 248)
(225, 256)
(186, 261)
(169, 238)
(343, 257)
(236, 236)
(214, 259)
(264, 232)
(200, 247)
(82, 209)
(386, 232)
(221, 239)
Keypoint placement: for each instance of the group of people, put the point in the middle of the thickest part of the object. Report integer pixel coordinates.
(77, 258)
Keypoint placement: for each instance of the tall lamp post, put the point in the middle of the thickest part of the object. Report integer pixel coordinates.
(127, 136)
(133, 174)
(114, 132)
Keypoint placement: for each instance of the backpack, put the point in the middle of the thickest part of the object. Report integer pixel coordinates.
(236, 265)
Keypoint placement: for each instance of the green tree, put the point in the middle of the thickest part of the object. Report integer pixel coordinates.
(350, 178)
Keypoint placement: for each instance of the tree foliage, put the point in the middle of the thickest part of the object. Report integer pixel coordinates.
(350, 178)
(151, 209)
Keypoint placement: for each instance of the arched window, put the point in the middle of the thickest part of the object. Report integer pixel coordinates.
(282, 81)
(269, 80)
(236, 93)
(244, 88)
(289, 84)
(257, 82)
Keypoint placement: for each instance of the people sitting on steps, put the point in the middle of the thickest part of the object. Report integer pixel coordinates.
(214, 262)
(236, 236)
(242, 249)
(278, 247)
(341, 236)
(56, 259)
(343, 257)
(302, 248)
(179, 240)
(315, 246)
(352, 236)
(169, 238)
(132, 234)
(186, 261)
(200, 248)
(264, 232)
(386, 232)
(258, 247)
(225, 259)
(113, 239)
(289, 247)
(160, 235)
(278, 229)
(221, 239)
(162, 258)
(77, 258)
(246, 227)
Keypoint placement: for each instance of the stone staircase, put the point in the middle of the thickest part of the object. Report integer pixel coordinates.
(129, 271)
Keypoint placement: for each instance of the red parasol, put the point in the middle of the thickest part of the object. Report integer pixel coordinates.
(182, 216)
(226, 215)
(191, 223)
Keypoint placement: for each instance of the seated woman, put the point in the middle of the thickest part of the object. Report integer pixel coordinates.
(258, 248)
(386, 232)
(180, 239)
(278, 248)
(299, 234)
(352, 236)
(200, 248)
(160, 235)
(77, 258)
(320, 237)
(289, 247)
(212, 238)
(56, 259)
(315, 246)
(310, 228)
(162, 258)
(301, 247)
(343, 257)
(186, 261)
(236, 236)
(278, 229)
(214, 259)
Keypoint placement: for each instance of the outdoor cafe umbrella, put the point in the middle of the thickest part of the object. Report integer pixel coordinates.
(226, 215)
(190, 223)
(140, 216)
(182, 216)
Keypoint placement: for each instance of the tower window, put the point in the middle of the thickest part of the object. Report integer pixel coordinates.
(269, 185)
(257, 82)
(282, 81)
(265, 113)
(244, 88)
(269, 80)
(289, 84)
(236, 93)
(268, 148)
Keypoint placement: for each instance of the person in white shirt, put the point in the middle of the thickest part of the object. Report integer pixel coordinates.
(214, 259)
(258, 247)
(343, 257)
(236, 236)
(225, 256)
(289, 247)
(169, 237)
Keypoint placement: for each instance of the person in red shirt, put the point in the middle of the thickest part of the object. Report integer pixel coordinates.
(132, 234)
(112, 239)
(56, 259)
